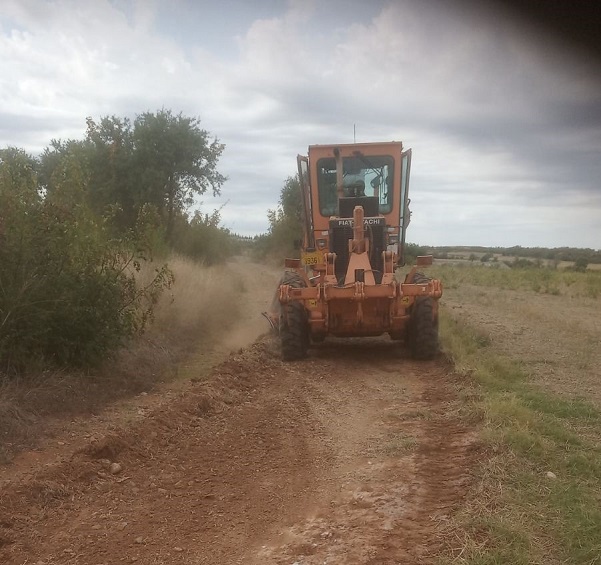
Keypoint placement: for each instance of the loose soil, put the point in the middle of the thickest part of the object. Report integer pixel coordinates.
(356, 455)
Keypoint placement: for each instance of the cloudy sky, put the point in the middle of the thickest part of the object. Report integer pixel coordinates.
(504, 119)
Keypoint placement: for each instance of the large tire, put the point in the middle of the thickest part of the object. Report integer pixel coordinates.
(294, 328)
(423, 326)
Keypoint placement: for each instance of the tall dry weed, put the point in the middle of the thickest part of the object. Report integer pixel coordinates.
(201, 304)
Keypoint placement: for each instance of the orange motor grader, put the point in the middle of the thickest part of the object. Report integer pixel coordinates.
(355, 213)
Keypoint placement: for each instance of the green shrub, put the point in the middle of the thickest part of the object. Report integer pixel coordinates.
(68, 292)
(581, 264)
(202, 238)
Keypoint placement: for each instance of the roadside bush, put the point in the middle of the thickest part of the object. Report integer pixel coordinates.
(521, 263)
(202, 239)
(412, 252)
(580, 265)
(68, 292)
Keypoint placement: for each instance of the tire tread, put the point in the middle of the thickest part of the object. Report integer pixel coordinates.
(423, 326)
(294, 334)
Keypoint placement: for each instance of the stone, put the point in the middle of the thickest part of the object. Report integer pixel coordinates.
(115, 468)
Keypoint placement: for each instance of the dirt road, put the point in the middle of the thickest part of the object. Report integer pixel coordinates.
(353, 456)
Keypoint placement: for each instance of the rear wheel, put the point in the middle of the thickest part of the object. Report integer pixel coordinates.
(294, 328)
(423, 325)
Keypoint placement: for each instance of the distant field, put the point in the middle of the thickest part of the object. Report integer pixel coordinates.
(543, 281)
(495, 259)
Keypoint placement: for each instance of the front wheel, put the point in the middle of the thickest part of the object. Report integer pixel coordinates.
(294, 334)
(294, 326)
(423, 330)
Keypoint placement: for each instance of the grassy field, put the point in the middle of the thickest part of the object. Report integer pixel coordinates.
(526, 342)
(540, 280)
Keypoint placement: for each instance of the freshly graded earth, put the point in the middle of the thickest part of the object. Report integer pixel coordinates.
(354, 455)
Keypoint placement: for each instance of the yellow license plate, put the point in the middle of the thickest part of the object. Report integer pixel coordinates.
(314, 258)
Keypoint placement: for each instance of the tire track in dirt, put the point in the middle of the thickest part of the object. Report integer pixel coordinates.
(403, 460)
(354, 455)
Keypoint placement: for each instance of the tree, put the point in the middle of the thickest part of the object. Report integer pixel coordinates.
(114, 182)
(285, 222)
(162, 160)
(202, 238)
(175, 160)
(64, 174)
(68, 290)
(18, 179)
(105, 160)
(581, 264)
(291, 201)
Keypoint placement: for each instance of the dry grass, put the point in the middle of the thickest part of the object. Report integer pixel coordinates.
(517, 512)
(201, 305)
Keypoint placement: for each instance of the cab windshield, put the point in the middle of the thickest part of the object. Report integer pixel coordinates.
(370, 175)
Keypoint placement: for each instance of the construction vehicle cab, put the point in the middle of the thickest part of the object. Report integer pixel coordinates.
(355, 200)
